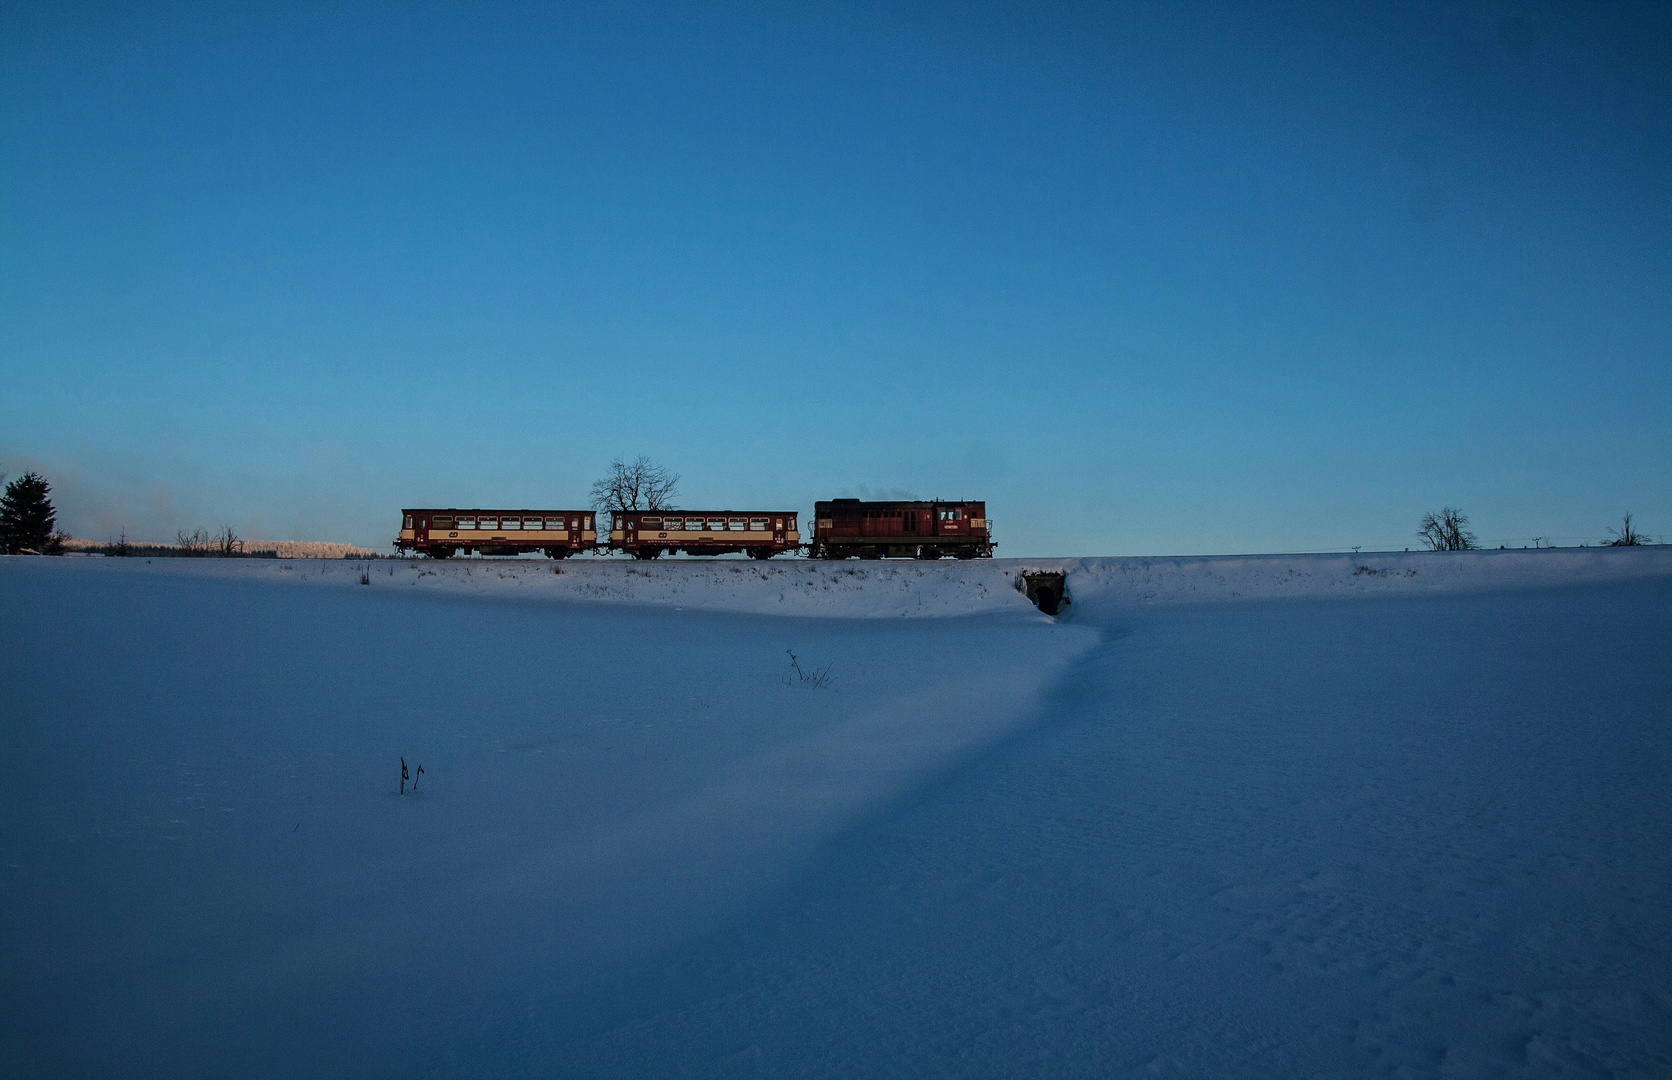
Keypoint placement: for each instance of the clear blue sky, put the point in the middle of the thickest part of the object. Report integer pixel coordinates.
(1152, 278)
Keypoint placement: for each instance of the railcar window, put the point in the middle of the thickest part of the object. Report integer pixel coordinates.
(531, 523)
(467, 523)
(490, 523)
(650, 523)
(716, 525)
(506, 523)
(441, 522)
(757, 524)
(736, 524)
(554, 524)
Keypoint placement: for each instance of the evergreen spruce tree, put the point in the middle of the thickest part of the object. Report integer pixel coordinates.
(27, 518)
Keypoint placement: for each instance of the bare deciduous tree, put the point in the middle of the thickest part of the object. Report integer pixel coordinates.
(195, 542)
(1627, 535)
(640, 484)
(1447, 531)
(228, 542)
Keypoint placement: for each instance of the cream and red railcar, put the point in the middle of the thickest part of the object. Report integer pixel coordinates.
(848, 528)
(646, 534)
(444, 533)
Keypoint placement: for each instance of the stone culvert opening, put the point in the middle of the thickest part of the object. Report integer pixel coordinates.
(1048, 590)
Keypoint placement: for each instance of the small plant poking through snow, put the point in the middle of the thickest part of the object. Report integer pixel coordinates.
(366, 579)
(817, 678)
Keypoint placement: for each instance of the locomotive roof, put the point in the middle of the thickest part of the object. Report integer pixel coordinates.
(704, 513)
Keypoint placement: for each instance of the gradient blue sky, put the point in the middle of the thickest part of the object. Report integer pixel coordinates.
(1151, 278)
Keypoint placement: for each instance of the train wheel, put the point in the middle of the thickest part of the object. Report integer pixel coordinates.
(646, 553)
(439, 552)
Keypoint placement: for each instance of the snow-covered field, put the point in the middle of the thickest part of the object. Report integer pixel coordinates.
(1403, 814)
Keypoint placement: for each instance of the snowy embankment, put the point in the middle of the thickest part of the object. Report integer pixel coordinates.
(1180, 831)
(1099, 588)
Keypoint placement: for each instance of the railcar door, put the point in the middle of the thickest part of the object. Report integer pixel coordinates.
(421, 528)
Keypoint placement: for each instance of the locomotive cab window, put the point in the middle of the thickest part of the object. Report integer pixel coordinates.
(408, 523)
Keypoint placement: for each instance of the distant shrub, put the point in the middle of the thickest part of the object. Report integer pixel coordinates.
(195, 542)
(1627, 536)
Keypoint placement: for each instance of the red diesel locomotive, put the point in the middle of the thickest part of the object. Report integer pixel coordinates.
(843, 528)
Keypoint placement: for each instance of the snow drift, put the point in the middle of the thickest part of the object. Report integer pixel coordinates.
(1245, 816)
(1100, 588)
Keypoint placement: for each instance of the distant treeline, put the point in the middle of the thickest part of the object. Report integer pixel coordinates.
(242, 549)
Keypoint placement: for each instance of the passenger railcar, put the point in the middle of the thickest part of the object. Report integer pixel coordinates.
(444, 533)
(846, 528)
(647, 534)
